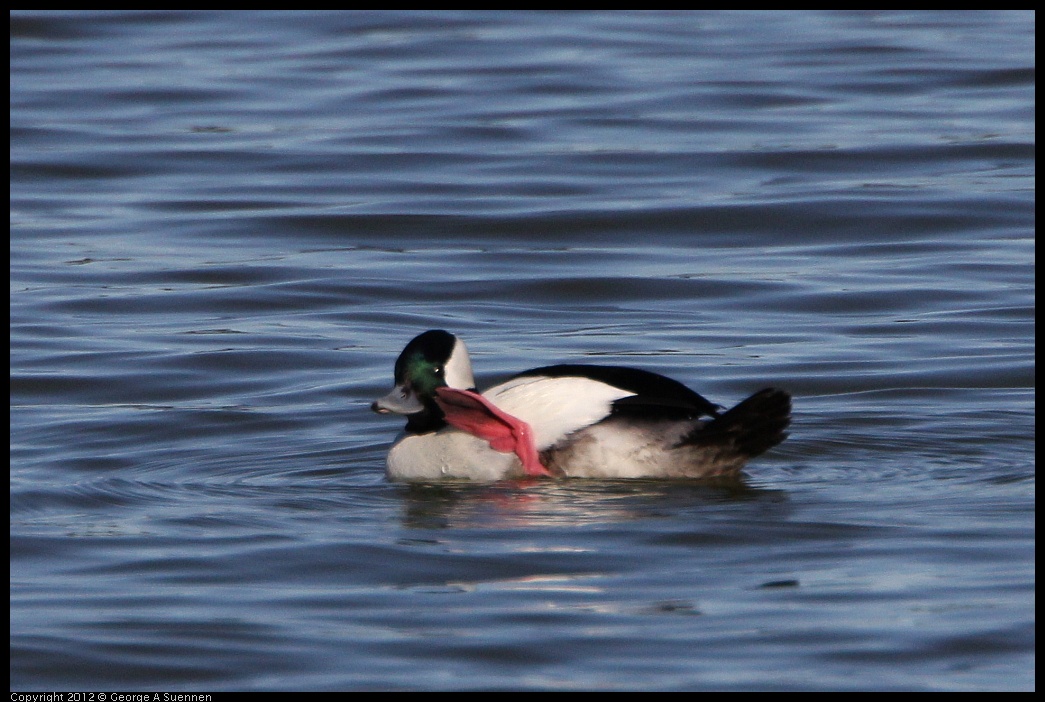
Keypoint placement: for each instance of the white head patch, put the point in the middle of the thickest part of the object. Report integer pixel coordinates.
(458, 368)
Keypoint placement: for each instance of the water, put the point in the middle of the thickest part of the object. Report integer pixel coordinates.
(225, 226)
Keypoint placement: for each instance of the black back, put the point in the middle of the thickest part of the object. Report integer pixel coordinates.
(656, 396)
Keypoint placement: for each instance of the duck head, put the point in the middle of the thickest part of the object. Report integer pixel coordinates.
(432, 360)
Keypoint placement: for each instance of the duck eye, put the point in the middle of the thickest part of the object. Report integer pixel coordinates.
(438, 370)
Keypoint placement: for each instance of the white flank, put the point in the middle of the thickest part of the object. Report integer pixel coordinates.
(555, 407)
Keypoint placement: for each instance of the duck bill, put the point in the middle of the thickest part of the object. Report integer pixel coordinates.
(402, 400)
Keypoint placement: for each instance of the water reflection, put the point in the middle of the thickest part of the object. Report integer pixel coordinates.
(551, 504)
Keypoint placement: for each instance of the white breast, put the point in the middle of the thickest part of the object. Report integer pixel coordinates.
(449, 453)
(555, 407)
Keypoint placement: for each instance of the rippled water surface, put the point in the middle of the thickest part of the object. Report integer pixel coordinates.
(225, 226)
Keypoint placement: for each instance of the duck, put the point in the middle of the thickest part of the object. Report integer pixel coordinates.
(565, 421)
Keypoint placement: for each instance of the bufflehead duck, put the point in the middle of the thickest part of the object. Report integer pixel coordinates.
(565, 421)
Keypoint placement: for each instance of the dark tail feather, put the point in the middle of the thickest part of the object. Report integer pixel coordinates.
(752, 427)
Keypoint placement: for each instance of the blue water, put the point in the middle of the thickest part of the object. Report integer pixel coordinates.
(226, 225)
